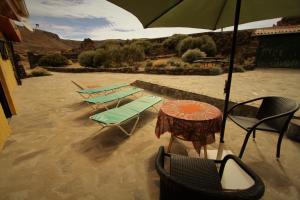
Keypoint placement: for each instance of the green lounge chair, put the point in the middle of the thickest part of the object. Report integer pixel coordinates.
(90, 92)
(118, 116)
(117, 96)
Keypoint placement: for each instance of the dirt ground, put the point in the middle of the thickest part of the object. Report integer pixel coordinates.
(56, 152)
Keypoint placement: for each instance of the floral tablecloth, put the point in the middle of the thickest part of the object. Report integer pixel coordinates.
(191, 120)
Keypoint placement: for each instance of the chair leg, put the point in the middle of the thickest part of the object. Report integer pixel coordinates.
(254, 134)
(244, 144)
(279, 145)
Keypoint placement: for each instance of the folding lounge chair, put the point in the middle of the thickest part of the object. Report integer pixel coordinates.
(117, 96)
(89, 92)
(118, 116)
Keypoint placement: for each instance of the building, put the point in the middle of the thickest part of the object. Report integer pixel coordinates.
(278, 46)
(9, 10)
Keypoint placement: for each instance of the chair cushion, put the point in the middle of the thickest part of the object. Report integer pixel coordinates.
(247, 122)
(195, 172)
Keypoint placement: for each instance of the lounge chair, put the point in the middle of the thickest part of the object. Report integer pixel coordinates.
(117, 96)
(87, 93)
(118, 116)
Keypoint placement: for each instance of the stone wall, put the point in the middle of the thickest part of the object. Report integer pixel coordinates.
(90, 69)
(245, 110)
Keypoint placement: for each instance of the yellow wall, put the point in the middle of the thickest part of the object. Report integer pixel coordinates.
(5, 130)
(8, 82)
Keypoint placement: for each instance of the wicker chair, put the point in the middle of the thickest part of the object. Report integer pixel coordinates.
(195, 178)
(274, 114)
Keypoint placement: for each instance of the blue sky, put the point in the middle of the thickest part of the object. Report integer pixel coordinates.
(99, 20)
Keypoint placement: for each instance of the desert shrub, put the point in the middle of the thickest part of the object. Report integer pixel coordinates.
(184, 45)
(208, 45)
(193, 54)
(86, 58)
(149, 63)
(113, 43)
(171, 42)
(133, 53)
(175, 63)
(156, 49)
(215, 70)
(115, 54)
(160, 63)
(144, 44)
(204, 43)
(188, 43)
(99, 57)
(70, 62)
(39, 71)
(53, 60)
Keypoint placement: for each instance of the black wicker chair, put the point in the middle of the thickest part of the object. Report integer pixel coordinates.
(274, 114)
(195, 178)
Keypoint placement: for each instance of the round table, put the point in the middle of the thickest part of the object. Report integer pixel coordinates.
(189, 120)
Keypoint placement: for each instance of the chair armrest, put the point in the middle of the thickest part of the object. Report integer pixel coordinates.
(245, 102)
(272, 117)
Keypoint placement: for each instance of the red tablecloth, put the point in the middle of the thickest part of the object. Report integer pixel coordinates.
(192, 120)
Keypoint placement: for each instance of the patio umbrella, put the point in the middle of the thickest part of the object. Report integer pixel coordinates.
(209, 14)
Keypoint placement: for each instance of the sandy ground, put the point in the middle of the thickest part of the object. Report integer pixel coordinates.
(55, 151)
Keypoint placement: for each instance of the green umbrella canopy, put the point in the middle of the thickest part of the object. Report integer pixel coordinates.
(206, 14)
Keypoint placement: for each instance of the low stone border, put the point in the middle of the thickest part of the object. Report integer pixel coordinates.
(245, 110)
(151, 70)
(90, 69)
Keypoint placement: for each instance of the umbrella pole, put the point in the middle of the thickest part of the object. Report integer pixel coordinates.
(230, 70)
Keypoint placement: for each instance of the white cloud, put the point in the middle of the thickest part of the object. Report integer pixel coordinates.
(120, 23)
(107, 33)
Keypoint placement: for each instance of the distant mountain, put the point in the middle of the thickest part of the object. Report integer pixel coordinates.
(42, 42)
(286, 21)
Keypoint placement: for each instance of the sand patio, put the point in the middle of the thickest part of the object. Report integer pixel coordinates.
(55, 151)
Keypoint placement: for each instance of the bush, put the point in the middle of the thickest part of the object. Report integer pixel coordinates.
(204, 43)
(215, 70)
(171, 42)
(159, 63)
(184, 45)
(193, 54)
(99, 57)
(175, 63)
(39, 71)
(86, 58)
(208, 45)
(53, 60)
(144, 44)
(133, 53)
(113, 43)
(149, 64)
(156, 49)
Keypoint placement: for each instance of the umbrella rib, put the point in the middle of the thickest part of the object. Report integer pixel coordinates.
(156, 18)
(220, 13)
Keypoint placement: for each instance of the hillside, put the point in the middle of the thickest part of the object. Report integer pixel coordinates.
(42, 42)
